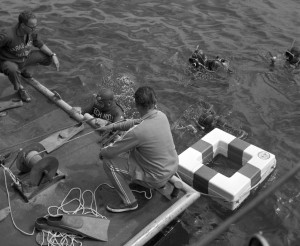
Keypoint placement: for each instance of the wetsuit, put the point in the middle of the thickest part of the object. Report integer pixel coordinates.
(113, 114)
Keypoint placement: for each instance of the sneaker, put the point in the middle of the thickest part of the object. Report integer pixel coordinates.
(122, 207)
(26, 74)
(24, 95)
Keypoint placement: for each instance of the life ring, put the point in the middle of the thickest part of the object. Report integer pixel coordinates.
(256, 165)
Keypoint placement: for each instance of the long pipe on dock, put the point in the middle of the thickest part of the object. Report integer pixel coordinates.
(54, 97)
(251, 205)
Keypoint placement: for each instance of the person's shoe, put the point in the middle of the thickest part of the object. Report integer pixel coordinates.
(26, 74)
(122, 207)
(24, 95)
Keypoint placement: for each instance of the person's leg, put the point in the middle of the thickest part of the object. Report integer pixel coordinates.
(12, 71)
(117, 170)
(36, 57)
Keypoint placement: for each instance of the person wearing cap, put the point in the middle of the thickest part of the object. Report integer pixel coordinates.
(145, 155)
(290, 57)
(104, 108)
(16, 53)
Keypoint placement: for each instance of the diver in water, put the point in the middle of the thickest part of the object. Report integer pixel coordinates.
(199, 61)
(209, 120)
(290, 57)
(102, 108)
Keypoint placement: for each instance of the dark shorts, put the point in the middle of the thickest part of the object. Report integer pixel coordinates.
(35, 58)
(13, 69)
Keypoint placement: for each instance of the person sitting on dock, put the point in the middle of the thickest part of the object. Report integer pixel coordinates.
(16, 53)
(145, 155)
(104, 108)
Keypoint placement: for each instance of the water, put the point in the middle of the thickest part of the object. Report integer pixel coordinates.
(151, 41)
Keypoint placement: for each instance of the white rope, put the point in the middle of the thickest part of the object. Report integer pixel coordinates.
(145, 193)
(66, 239)
(13, 177)
(9, 205)
(59, 239)
(82, 207)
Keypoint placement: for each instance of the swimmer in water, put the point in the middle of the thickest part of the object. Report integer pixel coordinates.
(199, 61)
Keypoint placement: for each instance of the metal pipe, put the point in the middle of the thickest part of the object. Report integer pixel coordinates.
(166, 217)
(252, 204)
(59, 102)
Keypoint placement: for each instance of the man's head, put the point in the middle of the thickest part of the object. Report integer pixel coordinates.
(105, 98)
(27, 21)
(145, 98)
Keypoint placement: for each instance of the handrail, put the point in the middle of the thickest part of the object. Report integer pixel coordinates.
(167, 216)
(252, 204)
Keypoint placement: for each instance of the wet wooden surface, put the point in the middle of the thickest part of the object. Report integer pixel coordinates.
(78, 160)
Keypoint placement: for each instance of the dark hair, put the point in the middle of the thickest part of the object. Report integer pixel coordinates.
(25, 16)
(145, 97)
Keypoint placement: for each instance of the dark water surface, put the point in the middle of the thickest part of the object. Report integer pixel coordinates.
(150, 41)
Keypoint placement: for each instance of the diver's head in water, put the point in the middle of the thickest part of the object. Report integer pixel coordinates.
(105, 98)
(218, 64)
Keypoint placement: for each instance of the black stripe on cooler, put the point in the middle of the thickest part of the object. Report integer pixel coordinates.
(202, 177)
(205, 148)
(251, 172)
(236, 149)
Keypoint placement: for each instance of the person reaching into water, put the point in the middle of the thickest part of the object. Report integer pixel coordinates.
(145, 155)
(290, 57)
(17, 55)
(103, 108)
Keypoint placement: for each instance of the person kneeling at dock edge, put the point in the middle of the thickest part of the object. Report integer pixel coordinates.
(16, 54)
(145, 155)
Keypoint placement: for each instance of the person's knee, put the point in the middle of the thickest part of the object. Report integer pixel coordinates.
(44, 59)
(38, 57)
(10, 68)
(47, 61)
